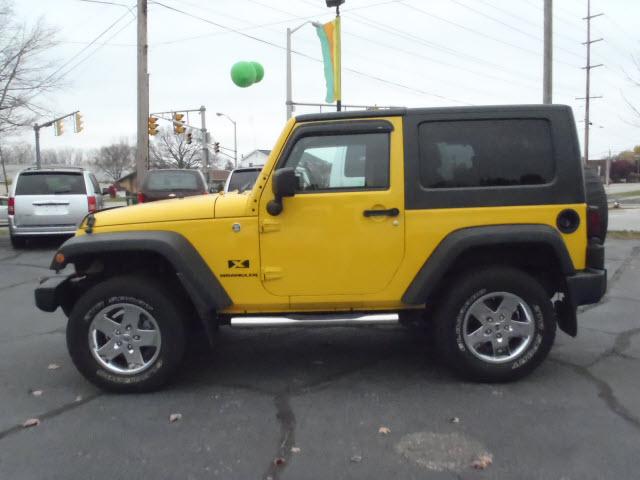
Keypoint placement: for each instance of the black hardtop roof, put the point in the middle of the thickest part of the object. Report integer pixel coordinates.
(403, 111)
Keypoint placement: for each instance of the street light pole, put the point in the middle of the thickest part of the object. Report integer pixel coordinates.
(235, 137)
(291, 31)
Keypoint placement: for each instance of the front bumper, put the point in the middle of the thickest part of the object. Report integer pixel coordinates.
(587, 286)
(51, 291)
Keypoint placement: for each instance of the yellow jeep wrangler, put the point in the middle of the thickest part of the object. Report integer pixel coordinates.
(479, 221)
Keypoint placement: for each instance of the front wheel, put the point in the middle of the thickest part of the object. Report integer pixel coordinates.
(496, 324)
(127, 334)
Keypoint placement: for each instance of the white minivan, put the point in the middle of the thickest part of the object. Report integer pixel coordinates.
(50, 201)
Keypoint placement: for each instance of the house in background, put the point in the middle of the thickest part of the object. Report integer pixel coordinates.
(257, 158)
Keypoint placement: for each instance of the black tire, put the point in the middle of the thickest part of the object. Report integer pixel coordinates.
(151, 297)
(18, 242)
(597, 197)
(469, 289)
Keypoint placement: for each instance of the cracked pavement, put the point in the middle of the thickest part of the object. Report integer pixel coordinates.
(262, 393)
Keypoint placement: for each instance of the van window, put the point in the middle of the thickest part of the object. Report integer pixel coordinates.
(485, 153)
(95, 184)
(331, 162)
(51, 183)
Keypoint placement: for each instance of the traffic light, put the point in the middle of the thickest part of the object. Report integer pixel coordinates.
(189, 138)
(216, 147)
(59, 127)
(78, 126)
(178, 124)
(153, 126)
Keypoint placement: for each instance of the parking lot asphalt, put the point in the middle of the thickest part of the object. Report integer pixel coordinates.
(334, 403)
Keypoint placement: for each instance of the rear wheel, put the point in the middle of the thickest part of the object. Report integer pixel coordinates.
(496, 324)
(127, 334)
(18, 242)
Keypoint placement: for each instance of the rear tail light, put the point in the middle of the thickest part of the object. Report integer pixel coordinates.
(11, 206)
(91, 202)
(594, 222)
(141, 197)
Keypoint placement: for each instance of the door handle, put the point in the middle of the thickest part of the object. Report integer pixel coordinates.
(392, 212)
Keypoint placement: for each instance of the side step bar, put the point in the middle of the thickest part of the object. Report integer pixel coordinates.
(303, 320)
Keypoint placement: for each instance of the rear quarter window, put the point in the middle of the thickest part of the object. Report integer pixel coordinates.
(485, 153)
(48, 183)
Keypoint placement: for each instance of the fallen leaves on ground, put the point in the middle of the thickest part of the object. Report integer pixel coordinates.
(31, 422)
(174, 417)
(482, 462)
(53, 366)
(384, 430)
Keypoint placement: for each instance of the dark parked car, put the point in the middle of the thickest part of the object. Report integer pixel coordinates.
(171, 183)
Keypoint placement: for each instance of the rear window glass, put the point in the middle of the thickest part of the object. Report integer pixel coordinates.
(243, 180)
(173, 181)
(485, 153)
(47, 183)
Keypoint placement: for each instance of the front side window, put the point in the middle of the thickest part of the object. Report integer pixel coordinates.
(485, 153)
(335, 162)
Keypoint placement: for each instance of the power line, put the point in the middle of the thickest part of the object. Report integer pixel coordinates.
(477, 32)
(530, 35)
(281, 47)
(97, 49)
(104, 32)
(416, 39)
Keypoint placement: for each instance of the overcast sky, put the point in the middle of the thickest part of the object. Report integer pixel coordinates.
(415, 53)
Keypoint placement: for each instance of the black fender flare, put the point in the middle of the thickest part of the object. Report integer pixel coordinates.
(457, 242)
(200, 283)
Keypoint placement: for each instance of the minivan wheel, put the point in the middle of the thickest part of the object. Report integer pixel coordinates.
(127, 334)
(496, 325)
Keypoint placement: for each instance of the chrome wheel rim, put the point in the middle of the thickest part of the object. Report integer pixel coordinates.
(498, 327)
(124, 338)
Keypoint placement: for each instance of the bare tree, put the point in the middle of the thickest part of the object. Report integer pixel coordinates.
(115, 159)
(170, 150)
(25, 72)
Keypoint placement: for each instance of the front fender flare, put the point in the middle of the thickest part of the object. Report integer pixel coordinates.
(200, 283)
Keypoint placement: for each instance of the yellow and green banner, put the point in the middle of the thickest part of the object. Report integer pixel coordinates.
(329, 35)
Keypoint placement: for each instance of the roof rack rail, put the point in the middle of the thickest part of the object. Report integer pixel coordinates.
(65, 167)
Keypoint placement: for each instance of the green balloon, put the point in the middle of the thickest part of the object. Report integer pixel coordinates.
(259, 71)
(243, 74)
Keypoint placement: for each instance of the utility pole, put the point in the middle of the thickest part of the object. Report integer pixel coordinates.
(548, 53)
(205, 140)
(607, 170)
(587, 97)
(142, 151)
(36, 129)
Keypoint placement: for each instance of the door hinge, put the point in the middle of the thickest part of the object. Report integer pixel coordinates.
(271, 273)
(267, 226)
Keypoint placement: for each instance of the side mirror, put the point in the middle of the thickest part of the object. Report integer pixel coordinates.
(285, 184)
